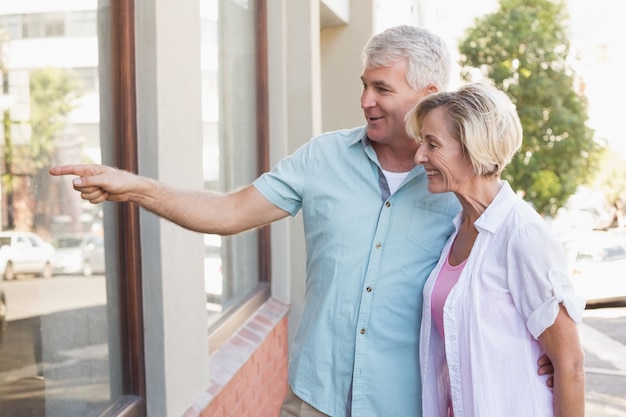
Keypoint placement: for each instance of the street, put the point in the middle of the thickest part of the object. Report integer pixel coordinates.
(68, 302)
(603, 335)
(54, 355)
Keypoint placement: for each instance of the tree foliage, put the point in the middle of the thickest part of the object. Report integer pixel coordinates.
(523, 49)
(53, 94)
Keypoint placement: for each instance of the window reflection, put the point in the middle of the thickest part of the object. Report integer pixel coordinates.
(55, 331)
(229, 142)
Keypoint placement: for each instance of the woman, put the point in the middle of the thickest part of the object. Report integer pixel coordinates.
(500, 296)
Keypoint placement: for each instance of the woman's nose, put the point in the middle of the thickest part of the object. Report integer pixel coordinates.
(419, 155)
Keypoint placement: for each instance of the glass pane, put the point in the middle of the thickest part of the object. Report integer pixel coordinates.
(229, 141)
(56, 339)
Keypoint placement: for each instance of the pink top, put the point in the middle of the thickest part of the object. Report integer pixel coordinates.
(447, 278)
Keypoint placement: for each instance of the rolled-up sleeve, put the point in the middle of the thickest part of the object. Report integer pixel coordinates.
(538, 278)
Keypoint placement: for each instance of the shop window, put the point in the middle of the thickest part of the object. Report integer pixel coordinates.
(234, 147)
(70, 323)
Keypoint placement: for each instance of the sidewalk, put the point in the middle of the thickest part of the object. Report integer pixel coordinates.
(605, 362)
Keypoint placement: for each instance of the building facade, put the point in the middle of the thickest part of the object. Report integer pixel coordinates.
(198, 94)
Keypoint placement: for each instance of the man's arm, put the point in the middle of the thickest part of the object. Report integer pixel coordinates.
(201, 211)
(545, 368)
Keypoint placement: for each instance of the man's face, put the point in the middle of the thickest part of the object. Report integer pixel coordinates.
(385, 100)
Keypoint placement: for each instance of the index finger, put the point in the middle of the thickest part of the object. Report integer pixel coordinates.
(80, 170)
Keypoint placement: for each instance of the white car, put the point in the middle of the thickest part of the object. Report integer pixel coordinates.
(25, 253)
(79, 254)
(598, 267)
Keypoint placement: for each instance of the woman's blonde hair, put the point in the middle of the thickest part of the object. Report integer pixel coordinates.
(482, 118)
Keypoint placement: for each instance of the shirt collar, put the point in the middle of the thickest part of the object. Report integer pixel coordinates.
(363, 139)
(496, 212)
(367, 143)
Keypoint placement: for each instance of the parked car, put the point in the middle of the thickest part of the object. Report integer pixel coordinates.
(79, 254)
(25, 253)
(598, 267)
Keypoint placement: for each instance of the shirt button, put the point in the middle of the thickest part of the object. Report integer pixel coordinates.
(369, 289)
(388, 204)
(362, 331)
(378, 245)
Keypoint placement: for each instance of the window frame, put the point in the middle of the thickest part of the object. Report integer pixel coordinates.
(124, 112)
(133, 402)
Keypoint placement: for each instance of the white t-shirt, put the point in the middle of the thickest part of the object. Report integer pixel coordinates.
(394, 179)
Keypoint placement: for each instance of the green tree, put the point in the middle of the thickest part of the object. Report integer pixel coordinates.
(53, 94)
(523, 48)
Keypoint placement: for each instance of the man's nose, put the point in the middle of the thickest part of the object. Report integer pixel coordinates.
(367, 99)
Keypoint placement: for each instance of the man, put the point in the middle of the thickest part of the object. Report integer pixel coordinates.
(373, 234)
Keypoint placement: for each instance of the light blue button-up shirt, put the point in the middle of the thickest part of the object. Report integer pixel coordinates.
(369, 253)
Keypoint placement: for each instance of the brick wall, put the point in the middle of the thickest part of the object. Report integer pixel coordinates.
(249, 372)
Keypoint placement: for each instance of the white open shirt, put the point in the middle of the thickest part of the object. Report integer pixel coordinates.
(507, 295)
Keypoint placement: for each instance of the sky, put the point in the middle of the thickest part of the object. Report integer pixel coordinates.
(598, 39)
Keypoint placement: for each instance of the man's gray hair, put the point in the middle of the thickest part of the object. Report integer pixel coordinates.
(428, 58)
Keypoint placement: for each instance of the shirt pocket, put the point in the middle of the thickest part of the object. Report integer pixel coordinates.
(430, 227)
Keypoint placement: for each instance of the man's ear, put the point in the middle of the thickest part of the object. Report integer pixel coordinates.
(432, 88)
